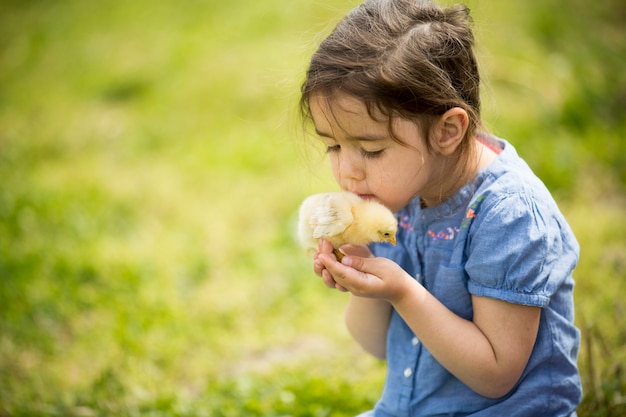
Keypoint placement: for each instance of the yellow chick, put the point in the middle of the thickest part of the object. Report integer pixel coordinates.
(344, 218)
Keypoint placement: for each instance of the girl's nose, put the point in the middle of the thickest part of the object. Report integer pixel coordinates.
(350, 167)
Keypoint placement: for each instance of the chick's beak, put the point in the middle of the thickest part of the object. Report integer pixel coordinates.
(393, 240)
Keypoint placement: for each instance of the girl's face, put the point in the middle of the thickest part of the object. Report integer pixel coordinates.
(367, 161)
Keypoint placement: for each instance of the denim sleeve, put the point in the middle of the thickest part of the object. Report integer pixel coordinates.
(514, 247)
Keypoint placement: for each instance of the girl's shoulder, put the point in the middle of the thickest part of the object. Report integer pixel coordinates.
(518, 245)
(509, 177)
(506, 190)
(508, 198)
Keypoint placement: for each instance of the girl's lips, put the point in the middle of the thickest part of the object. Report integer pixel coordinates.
(371, 197)
(367, 196)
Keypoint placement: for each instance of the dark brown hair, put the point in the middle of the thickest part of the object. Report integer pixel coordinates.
(407, 58)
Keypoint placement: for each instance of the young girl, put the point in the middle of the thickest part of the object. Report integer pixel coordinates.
(473, 308)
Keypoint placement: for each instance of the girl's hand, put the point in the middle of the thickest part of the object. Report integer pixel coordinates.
(364, 276)
(326, 249)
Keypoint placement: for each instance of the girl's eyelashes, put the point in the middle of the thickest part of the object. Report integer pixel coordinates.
(364, 153)
(371, 154)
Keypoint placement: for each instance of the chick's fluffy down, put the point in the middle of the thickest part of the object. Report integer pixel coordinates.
(344, 218)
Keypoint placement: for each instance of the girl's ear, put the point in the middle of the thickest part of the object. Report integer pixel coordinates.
(449, 131)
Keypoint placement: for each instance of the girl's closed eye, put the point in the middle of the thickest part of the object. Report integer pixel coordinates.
(371, 154)
(364, 153)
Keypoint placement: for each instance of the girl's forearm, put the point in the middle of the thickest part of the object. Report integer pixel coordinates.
(367, 320)
(488, 353)
(460, 345)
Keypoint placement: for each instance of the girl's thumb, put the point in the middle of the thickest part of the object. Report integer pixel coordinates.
(356, 262)
(369, 265)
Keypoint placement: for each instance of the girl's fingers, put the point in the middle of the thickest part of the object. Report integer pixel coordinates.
(325, 246)
(362, 251)
(323, 261)
(353, 273)
(374, 266)
(336, 270)
(318, 267)
(328, 280)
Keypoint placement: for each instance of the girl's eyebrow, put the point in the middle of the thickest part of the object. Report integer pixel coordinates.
(369, 137)
(358, 138)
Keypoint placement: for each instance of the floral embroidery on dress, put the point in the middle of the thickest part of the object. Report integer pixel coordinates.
(471, 212)
(451, 232)
(448, 234)
(405, 223)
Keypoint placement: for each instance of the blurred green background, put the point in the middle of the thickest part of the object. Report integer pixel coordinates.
(151, 164)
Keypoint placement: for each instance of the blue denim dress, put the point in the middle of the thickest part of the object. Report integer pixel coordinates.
(501, 236)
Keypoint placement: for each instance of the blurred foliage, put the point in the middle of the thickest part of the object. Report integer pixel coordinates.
(149, 178)
(589, 42)
(558, 74)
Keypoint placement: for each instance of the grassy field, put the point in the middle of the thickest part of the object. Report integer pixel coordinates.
(151, 163)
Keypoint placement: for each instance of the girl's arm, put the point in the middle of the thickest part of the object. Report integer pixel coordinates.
(488, 353)
(367, 320)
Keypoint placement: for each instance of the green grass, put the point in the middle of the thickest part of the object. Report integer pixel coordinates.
(151, 163)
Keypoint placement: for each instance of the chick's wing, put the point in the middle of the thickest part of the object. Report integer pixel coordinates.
(331, 215)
